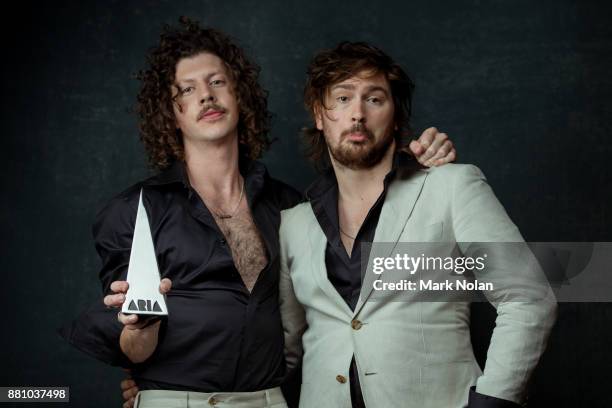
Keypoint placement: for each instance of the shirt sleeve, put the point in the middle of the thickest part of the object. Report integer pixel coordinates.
(113, 230)
(477, 400)
(96, 331)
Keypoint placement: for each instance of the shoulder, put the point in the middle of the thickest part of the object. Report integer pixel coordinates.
(295, 224)
(454, 172)
(154, 190)
(445, 178)
(126, 200)
(119, 212)
(440, 185)
(299, 214)
(302, 209)
(283, 194)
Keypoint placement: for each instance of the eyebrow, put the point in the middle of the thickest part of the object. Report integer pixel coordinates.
(191, 80)
(371, 88)
(343, 86)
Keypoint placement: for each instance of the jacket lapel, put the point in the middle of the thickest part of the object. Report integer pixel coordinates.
(397, 209)
(318, 243)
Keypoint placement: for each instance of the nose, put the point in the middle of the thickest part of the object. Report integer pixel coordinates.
(358, 115)
(207, 95)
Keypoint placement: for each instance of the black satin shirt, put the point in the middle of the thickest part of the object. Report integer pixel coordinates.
(217, 336)
(344, 270)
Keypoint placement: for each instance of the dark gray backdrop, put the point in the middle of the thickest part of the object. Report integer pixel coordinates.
(522, 87)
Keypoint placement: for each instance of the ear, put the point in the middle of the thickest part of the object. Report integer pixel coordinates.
(318, 115)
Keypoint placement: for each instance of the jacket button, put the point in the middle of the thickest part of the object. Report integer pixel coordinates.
(341, 379)
(356, 324)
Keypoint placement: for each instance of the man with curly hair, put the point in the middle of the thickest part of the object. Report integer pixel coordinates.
(214, 214)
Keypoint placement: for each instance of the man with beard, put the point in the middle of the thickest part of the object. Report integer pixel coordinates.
(391, 352)
(214, 214)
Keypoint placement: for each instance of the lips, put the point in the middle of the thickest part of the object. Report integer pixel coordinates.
(357, 134)
(357, 137)
(211, 114)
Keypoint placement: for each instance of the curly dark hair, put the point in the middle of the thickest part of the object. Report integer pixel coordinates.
(346, 60)
(162, 141)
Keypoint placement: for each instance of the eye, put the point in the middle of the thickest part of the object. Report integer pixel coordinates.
(342, 99)
(187, 90)
(217, 82)
(375, 100)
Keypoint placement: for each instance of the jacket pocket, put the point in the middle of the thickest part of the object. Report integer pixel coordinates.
(448, 384)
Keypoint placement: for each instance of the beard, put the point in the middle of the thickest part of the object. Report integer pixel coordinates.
(363, 154)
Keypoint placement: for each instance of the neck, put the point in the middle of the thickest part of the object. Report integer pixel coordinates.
(363, 185)
(212, 168)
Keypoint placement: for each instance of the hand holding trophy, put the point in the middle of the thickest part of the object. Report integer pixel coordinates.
(142, 296)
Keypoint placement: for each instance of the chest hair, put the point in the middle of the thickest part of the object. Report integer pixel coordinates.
(247, 247)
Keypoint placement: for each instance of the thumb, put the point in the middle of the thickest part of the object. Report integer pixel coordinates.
(165, 285)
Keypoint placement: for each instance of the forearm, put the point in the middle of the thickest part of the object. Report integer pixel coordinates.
(139, 344)
(518, 341)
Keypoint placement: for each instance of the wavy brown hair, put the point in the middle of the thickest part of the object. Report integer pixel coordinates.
(163, 142)
(346, 60)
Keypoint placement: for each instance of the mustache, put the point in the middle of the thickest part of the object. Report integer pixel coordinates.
(208, 107)
(358, 128)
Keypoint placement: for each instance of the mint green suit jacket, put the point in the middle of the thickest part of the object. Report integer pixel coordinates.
(409, 354)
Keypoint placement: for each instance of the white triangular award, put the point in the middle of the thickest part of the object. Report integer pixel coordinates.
(143, 295)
